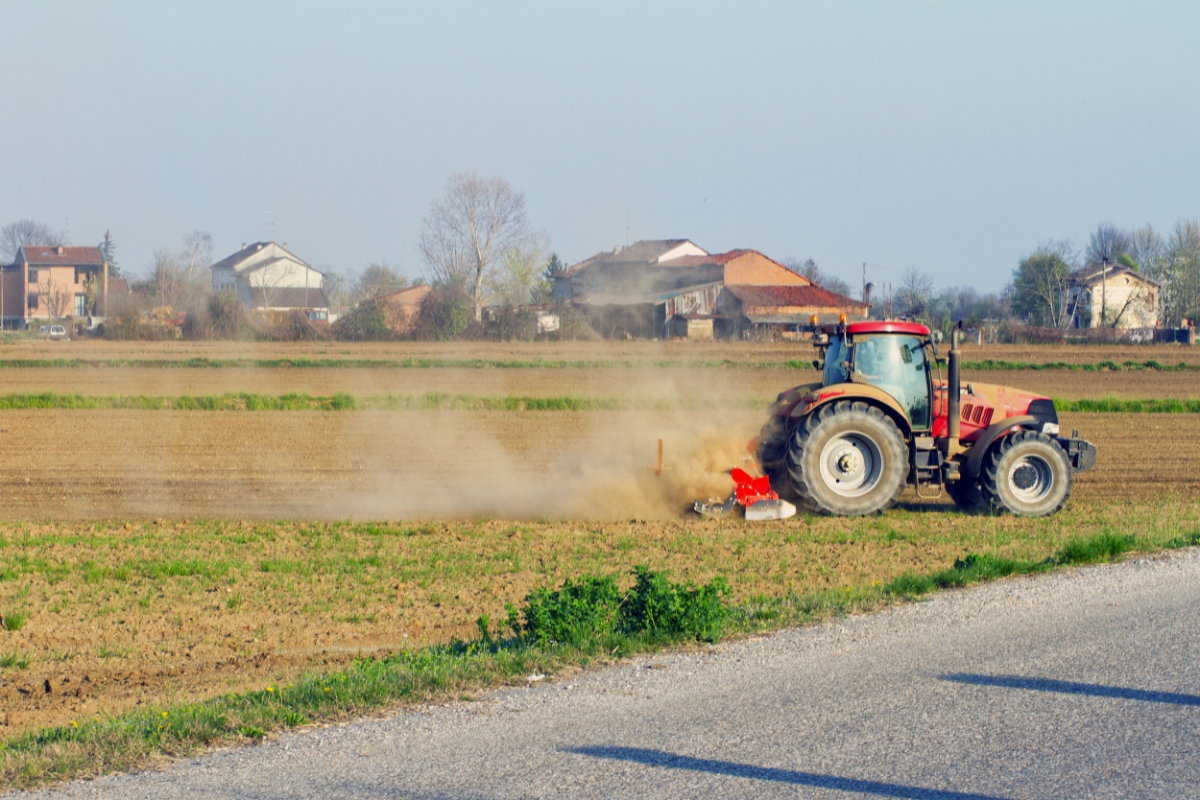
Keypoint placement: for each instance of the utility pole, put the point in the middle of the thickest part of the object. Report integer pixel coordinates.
(1104, 293)
(864, 291)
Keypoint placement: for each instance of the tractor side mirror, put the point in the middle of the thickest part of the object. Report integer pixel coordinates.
(817, 364)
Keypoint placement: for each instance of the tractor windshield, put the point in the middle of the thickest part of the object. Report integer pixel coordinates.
(897, 365)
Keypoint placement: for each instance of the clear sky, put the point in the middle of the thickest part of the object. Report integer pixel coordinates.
(950, 137)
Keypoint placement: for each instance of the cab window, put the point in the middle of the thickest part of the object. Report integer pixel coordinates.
(897, 365)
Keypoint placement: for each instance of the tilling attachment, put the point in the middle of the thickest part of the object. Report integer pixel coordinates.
(754, 494)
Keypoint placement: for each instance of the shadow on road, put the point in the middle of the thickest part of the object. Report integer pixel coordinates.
(660, 758)
(1069, 687)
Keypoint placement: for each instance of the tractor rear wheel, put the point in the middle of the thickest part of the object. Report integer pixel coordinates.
(966, 494)
(847, 459)
(1027, 474)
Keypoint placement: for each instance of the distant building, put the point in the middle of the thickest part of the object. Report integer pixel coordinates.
(1112, 297)
(400, 309)
(268, 277)
(45, 282)
(672, 287)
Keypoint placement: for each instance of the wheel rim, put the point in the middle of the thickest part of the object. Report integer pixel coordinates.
(851, 465)
(1030, 478)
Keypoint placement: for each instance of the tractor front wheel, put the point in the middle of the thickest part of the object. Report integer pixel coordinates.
(1027, 474)
(847, 459)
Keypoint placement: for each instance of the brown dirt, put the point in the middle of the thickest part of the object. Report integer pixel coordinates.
(153, 608)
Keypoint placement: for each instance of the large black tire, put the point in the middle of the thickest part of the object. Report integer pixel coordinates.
(1027, 474)
(847, 459)
(966, 494)
(772, 455)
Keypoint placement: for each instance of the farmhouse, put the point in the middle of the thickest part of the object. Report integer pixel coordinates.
(672, 287)
(45, 282)
(268, 277)
(1113, 297)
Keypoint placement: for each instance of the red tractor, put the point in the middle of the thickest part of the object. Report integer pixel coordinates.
(879, 419)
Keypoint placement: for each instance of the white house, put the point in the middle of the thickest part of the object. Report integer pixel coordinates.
(268, 277)
(1112, 296)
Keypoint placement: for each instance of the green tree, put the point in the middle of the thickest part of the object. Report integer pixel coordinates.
(378, 280)
(109, 251)
(1040, 286)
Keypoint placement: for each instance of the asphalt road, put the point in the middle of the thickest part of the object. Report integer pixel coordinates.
(1080, 684)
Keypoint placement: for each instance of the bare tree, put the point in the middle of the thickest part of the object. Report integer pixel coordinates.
(197, 253)
(23, 232)
(470, 228)
(1108, 243)
(1148, 248)
(916, 290)
(270, 281)
(168, 280)
(56, 297)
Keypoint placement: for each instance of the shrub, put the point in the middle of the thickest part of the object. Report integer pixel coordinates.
(591, 611)
(580, 614)
(667, 610)
(219, 316)
(364, 324)
(446, 313)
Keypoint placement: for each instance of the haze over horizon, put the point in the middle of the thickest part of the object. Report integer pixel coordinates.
(950, 137)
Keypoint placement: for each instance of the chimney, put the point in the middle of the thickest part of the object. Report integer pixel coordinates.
(243, 245)
(258, 247)
(59, 249)
(616, 249)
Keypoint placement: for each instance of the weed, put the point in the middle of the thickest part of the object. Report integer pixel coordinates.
(14, 621)
(233, 601)
(14, 661)
(1102, 547)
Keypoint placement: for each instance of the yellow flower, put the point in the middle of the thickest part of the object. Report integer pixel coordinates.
(270, 688)
(327, 688)
(74, 724)
(164, 715)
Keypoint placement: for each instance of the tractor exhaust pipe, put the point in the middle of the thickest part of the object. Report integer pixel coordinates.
(954, 396)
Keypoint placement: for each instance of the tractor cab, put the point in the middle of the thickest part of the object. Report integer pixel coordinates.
(887, 355)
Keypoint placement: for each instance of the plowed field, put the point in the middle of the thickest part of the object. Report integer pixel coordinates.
(143, 554)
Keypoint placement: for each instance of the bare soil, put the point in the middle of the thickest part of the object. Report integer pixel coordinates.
(147, 550)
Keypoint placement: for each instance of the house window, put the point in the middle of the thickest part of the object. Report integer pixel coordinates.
(33, 276)
(33, 302)
(81, 305)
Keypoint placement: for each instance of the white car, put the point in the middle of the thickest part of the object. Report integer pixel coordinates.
(53, 331)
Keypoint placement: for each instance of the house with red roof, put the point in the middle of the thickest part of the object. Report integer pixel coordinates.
(672, 287)
(47, 282)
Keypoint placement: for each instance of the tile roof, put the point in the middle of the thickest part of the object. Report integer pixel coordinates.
(69, 257)
(641, 252)
(792, 296)
(290, 297)
(1095, 274)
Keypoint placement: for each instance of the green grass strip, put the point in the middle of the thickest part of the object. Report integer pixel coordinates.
(1099, 366)
(246, 401)
(1116, 405)
(127, 741)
